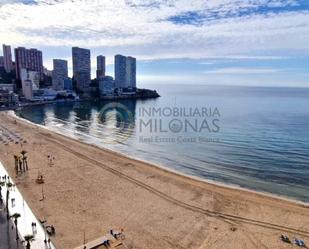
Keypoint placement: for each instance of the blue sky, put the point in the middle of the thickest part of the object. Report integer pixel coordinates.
(230, 42)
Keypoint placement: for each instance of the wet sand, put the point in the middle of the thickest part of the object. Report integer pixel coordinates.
(94, 190)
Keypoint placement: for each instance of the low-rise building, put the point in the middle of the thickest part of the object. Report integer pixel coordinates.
(8, 87)
(27, 89)
(107, 85)
(7, 95)
(68, 84)
(44, 94)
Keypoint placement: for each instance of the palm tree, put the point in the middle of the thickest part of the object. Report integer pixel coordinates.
(23, 152)
(9, 185)
(28, 239)
(25, 163)
(15, 217)
(24, 160)
(16, 163)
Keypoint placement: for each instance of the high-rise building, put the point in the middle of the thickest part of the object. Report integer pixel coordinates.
(120, 71)
(100, 66)
(7, 56)
(125, 72)
(131, 72)
(60, 74)
(31, 59)
(1, 62)
(81, 68)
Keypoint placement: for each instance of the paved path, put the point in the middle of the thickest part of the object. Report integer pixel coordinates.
(7, 234)
(24, 222)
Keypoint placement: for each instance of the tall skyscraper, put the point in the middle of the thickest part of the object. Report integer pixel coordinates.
(131, 72)
(81, 68)
(1, 62)
(120, 71)
(60, 74)
(125, 72)
(7, 56)
(31, 59)
(100, 66)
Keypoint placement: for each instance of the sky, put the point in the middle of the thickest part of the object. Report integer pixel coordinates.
(223, 42)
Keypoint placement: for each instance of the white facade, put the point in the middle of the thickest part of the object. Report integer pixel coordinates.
(31, 75)
(32, 78)
(27, 89)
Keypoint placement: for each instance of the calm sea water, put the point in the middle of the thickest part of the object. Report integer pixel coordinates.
(257, 138)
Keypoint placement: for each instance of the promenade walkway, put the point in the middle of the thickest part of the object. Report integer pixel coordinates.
(24, 222)
(7, 234)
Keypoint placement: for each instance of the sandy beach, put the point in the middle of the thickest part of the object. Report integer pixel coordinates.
(94, 190)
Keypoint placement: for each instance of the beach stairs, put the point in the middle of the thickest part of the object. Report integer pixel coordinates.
(98, 243)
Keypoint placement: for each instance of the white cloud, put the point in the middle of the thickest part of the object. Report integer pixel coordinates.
(141, 27)
(242, 70)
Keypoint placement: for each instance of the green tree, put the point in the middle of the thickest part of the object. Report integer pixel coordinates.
(24, 160)
(16, 163)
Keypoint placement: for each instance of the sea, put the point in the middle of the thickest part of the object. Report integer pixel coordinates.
(252, 137)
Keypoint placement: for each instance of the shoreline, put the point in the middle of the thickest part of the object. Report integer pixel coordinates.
(94, 189)
(169, 170)
(141, 94)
